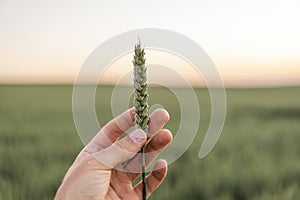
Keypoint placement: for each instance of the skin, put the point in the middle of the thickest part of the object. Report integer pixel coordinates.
(107, 166)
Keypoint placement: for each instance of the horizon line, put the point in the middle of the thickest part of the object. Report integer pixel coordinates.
(157, 86)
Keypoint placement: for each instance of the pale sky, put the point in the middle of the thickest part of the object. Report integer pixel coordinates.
(252, 43)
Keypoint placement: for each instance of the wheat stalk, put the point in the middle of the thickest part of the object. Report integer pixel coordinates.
(141, 101)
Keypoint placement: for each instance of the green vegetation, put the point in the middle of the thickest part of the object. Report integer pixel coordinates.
(257, 156)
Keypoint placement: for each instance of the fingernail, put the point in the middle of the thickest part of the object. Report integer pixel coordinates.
(138, 136)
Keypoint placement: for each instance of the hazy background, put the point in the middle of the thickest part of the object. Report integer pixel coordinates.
(252, 43)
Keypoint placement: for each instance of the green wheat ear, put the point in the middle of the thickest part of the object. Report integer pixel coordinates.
(141, 101)
(141, 89)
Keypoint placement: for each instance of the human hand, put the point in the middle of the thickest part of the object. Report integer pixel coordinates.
(107, 165)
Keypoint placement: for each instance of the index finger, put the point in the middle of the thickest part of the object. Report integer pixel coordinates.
(112, 131)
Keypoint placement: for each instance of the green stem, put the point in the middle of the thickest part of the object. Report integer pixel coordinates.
(144, 173)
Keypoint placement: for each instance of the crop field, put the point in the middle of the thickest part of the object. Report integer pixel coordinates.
(257, 156)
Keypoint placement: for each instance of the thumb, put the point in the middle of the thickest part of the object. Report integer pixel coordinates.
(122, 150)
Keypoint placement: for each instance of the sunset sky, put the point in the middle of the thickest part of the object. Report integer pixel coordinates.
(252, 43)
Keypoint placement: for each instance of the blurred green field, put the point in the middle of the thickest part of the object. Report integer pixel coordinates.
(257, 156)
